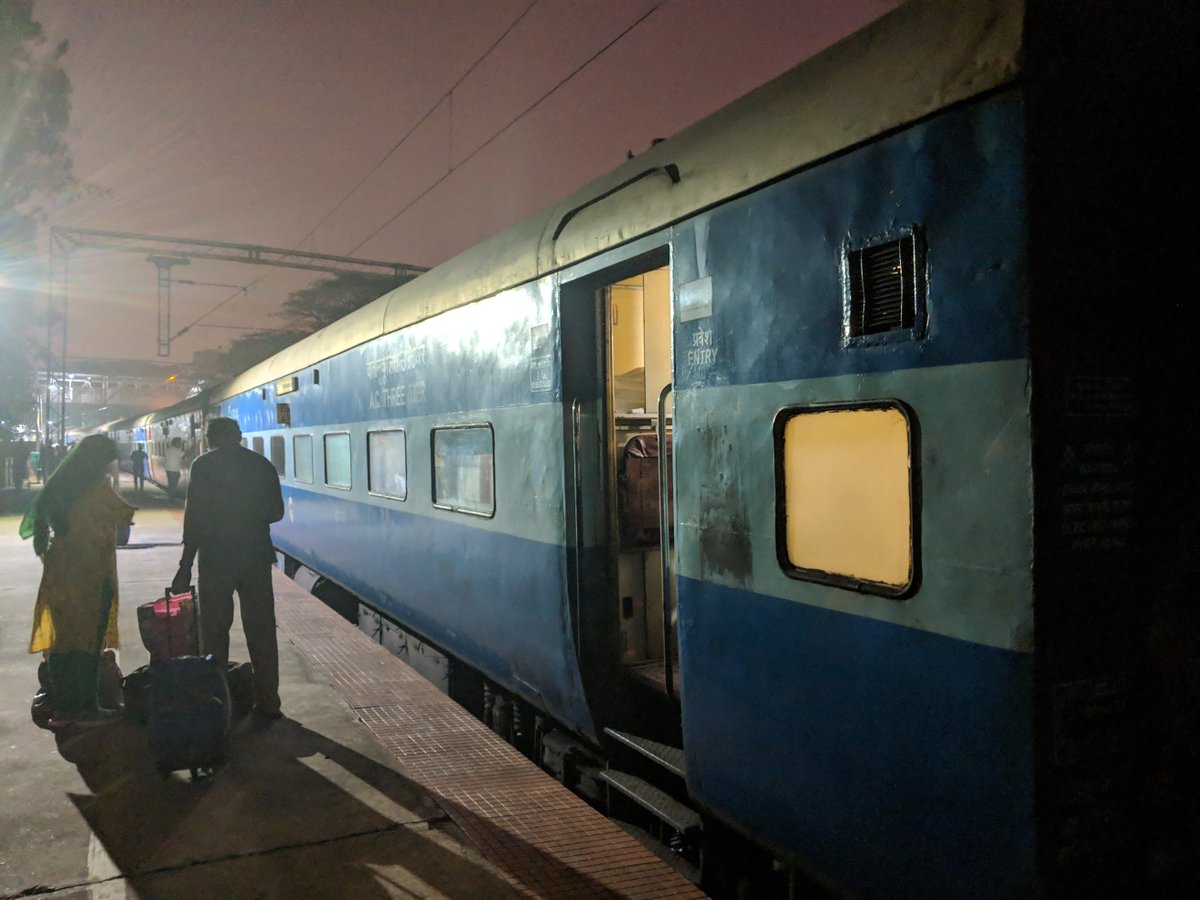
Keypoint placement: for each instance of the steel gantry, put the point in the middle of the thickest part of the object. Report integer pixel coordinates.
(167, 252)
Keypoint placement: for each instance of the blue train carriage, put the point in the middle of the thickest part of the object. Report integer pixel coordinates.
(875, 617)
(154, 431)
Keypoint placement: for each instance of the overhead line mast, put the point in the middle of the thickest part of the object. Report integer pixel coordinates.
(165, 252)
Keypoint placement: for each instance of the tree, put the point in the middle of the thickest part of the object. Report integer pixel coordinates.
(35, 104)
(305, 311)
(324, 302)
(35, 165)
(251, 348)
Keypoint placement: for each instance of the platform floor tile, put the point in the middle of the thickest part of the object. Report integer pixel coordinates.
(541, 838)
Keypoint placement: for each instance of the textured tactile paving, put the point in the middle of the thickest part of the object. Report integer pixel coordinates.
(539, 836)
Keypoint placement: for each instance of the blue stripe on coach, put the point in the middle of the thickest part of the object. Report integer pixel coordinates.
(493, 599)
(895, 756)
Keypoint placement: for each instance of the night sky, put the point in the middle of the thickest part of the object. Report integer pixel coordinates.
(253, 121)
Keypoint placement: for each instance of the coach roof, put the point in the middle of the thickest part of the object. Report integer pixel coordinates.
(923, 56)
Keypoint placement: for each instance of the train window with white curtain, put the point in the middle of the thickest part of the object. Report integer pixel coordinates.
(302, 458)
(845, 496)
(279, 454)
(337, 460)
(387, 463)
(463, 469)
(258, 446)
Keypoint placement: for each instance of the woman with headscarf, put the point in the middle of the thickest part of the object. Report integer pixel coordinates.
(74, 524)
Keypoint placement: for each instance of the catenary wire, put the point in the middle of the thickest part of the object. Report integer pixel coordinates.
(375, 168)
(453, 168)
(511, 123)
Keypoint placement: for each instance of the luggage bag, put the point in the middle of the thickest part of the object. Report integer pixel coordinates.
(188, 715)
(188, 703)
(638, 490)
(169, 626)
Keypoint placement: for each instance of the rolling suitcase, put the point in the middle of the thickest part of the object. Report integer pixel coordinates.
(188, 706)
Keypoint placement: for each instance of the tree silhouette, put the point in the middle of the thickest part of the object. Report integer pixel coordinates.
(35, 166)
(305, 311)
(324, 302)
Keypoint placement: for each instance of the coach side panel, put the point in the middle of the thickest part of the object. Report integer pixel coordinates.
(882, 733)
(423, 472)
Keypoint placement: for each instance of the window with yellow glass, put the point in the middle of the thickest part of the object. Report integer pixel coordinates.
(845, 496)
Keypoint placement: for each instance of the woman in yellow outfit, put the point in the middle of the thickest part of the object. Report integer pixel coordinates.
(73, 524)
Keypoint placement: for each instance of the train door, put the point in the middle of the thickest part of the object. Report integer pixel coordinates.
(617, 367)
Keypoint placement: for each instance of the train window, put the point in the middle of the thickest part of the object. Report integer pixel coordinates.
(463, 469)
(844, 484)
(302, 458)
(279, 454)
(337, 460)
(258, 446)
(387, 463)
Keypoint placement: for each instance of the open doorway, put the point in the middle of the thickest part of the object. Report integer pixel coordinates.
(638, 316)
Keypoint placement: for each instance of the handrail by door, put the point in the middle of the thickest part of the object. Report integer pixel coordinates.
(670, 169)
(664, 536)
(578, 478)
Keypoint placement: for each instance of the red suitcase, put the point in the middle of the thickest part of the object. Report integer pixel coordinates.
(168, 626)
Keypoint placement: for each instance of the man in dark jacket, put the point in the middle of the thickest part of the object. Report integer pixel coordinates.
(233, 497)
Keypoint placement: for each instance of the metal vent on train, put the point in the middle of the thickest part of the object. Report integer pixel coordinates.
(884, 287)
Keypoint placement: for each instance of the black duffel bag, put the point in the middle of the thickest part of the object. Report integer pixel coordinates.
(135, 688)
(241, 689)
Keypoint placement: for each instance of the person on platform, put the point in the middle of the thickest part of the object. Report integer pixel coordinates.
(233, 497)
(137, 465)
(173, 464)
(73, 522)
(20, 463)
(43, 462)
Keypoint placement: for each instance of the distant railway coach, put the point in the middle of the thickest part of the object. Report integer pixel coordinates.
(154, 432)
(794, 481)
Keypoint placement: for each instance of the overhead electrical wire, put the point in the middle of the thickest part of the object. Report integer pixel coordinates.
(454, 167)
(240, 292)
(375, 168)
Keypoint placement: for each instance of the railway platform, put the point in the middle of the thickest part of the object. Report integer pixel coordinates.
(374, 784)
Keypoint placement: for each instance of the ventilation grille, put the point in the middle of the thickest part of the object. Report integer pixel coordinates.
(883, 287)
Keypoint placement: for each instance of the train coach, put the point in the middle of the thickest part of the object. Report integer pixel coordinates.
(154, 431)
(808, 461)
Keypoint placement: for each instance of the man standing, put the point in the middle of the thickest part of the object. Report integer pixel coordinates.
(137, 465)
(233, 497)
(173, 464)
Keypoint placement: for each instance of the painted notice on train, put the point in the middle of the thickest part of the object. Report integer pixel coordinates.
(382, 372)
(398, 396)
